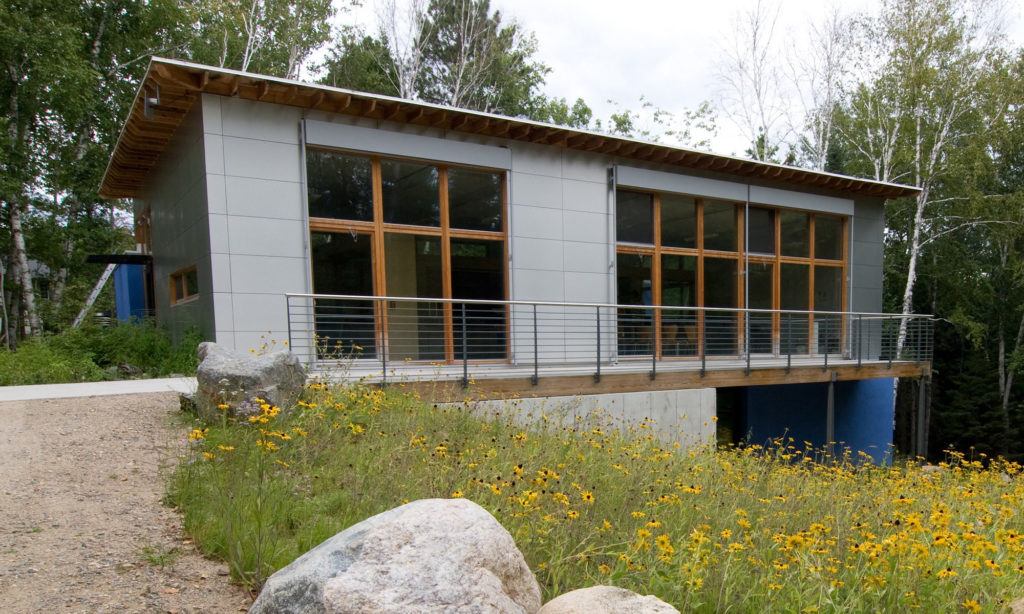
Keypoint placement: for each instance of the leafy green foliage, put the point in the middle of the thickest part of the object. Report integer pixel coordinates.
(94, 353)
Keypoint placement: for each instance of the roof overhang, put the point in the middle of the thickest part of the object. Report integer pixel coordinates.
(171, 87)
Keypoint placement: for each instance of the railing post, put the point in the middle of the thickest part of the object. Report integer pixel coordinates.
(892, 347)
(824, 366)
(536, 360)
(920, 339)
(860, 339)
(465, 352)
(789, 342)
(288, 310)
(746, 340)
(597, 376)
(703, 343)
(383, 349)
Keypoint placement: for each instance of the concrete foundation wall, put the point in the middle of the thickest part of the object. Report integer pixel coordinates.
(683, 416)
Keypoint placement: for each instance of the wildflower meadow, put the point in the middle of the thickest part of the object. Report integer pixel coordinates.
(779, 527)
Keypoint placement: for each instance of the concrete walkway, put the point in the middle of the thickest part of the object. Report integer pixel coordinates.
(96, 389)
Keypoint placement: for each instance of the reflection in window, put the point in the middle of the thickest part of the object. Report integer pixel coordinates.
(679, 335)
(761, 229)
(413, 268)
(678, 221)
(634, 288)
(720, 291)
(343, 264)
(474, 199)
(478, 272)
(340, 185)
(828, 239)
(719, 226)
(634, 217)
(828, 296)
(410, 193)
(796, 234)
(761, 295)
(794, 288)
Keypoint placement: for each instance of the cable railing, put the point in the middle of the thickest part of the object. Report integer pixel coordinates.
(386, 334)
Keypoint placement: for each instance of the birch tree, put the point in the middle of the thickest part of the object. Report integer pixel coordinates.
(750, 82)
(925, 60)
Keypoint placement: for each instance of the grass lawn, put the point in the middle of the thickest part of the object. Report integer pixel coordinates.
(743, 529)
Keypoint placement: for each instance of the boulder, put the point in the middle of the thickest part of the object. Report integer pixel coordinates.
(606, 600)
(1016, 607)
(224, 376)
(432, 555)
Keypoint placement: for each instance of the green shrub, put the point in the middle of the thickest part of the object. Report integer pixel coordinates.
(93, 353)
(37, 362)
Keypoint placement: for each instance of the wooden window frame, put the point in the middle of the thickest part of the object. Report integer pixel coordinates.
(181, 275)
(377, 228)
(741, 256)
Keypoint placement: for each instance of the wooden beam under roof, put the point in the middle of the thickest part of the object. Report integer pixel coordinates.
(179, 82)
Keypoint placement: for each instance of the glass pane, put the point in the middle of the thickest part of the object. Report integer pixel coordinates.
(191, 283)
(796, 234)
(679, 289)
(828, 296)
(719, 226)
(411, 193)
(474, 199)
(343, 264)
(760, 295)
(633, 273)
(478, 272)
(413, 268)
(828, 237)
(634, 217)
(678, 221)
(720, 291)
(828, 288)
(794, 286)
(761, 229)
(340, 185)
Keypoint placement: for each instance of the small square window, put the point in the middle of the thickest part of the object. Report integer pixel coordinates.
(184, 285)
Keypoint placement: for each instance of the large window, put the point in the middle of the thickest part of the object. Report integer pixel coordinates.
(684, 251)
(402, 228)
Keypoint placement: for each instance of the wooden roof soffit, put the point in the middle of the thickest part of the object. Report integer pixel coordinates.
(143, 138)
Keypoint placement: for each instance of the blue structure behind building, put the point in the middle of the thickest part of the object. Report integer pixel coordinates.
(863, 415)
(130, 292)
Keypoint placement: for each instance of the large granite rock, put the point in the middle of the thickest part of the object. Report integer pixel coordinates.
(433, 555)
(233, 378)
(606, 600)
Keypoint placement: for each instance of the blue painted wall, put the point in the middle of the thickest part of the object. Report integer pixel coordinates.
(129, 292)
(863, 414)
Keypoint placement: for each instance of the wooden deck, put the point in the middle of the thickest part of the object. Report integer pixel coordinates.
(445, 382)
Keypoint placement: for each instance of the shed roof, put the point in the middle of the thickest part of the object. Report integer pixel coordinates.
(143, 139)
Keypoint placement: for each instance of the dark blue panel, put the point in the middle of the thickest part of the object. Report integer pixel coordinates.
(864, 416)
(790, 410)
(129, 292)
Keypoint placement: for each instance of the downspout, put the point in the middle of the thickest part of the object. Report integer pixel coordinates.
(307, 249)
(746, 271)
(613, 184)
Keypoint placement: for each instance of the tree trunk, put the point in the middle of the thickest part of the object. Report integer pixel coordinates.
(5, 333)
(31, 325)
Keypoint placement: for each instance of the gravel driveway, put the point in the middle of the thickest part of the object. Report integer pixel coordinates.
(83, 527)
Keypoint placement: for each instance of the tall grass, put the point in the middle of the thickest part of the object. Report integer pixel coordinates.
(781, 528)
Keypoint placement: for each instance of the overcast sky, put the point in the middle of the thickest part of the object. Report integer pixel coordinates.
(666, 50)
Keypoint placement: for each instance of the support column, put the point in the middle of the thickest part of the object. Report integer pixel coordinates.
(830, 415)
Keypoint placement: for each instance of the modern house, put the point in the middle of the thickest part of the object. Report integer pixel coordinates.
(413, 242)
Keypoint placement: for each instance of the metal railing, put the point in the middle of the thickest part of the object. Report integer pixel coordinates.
(391, 332)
